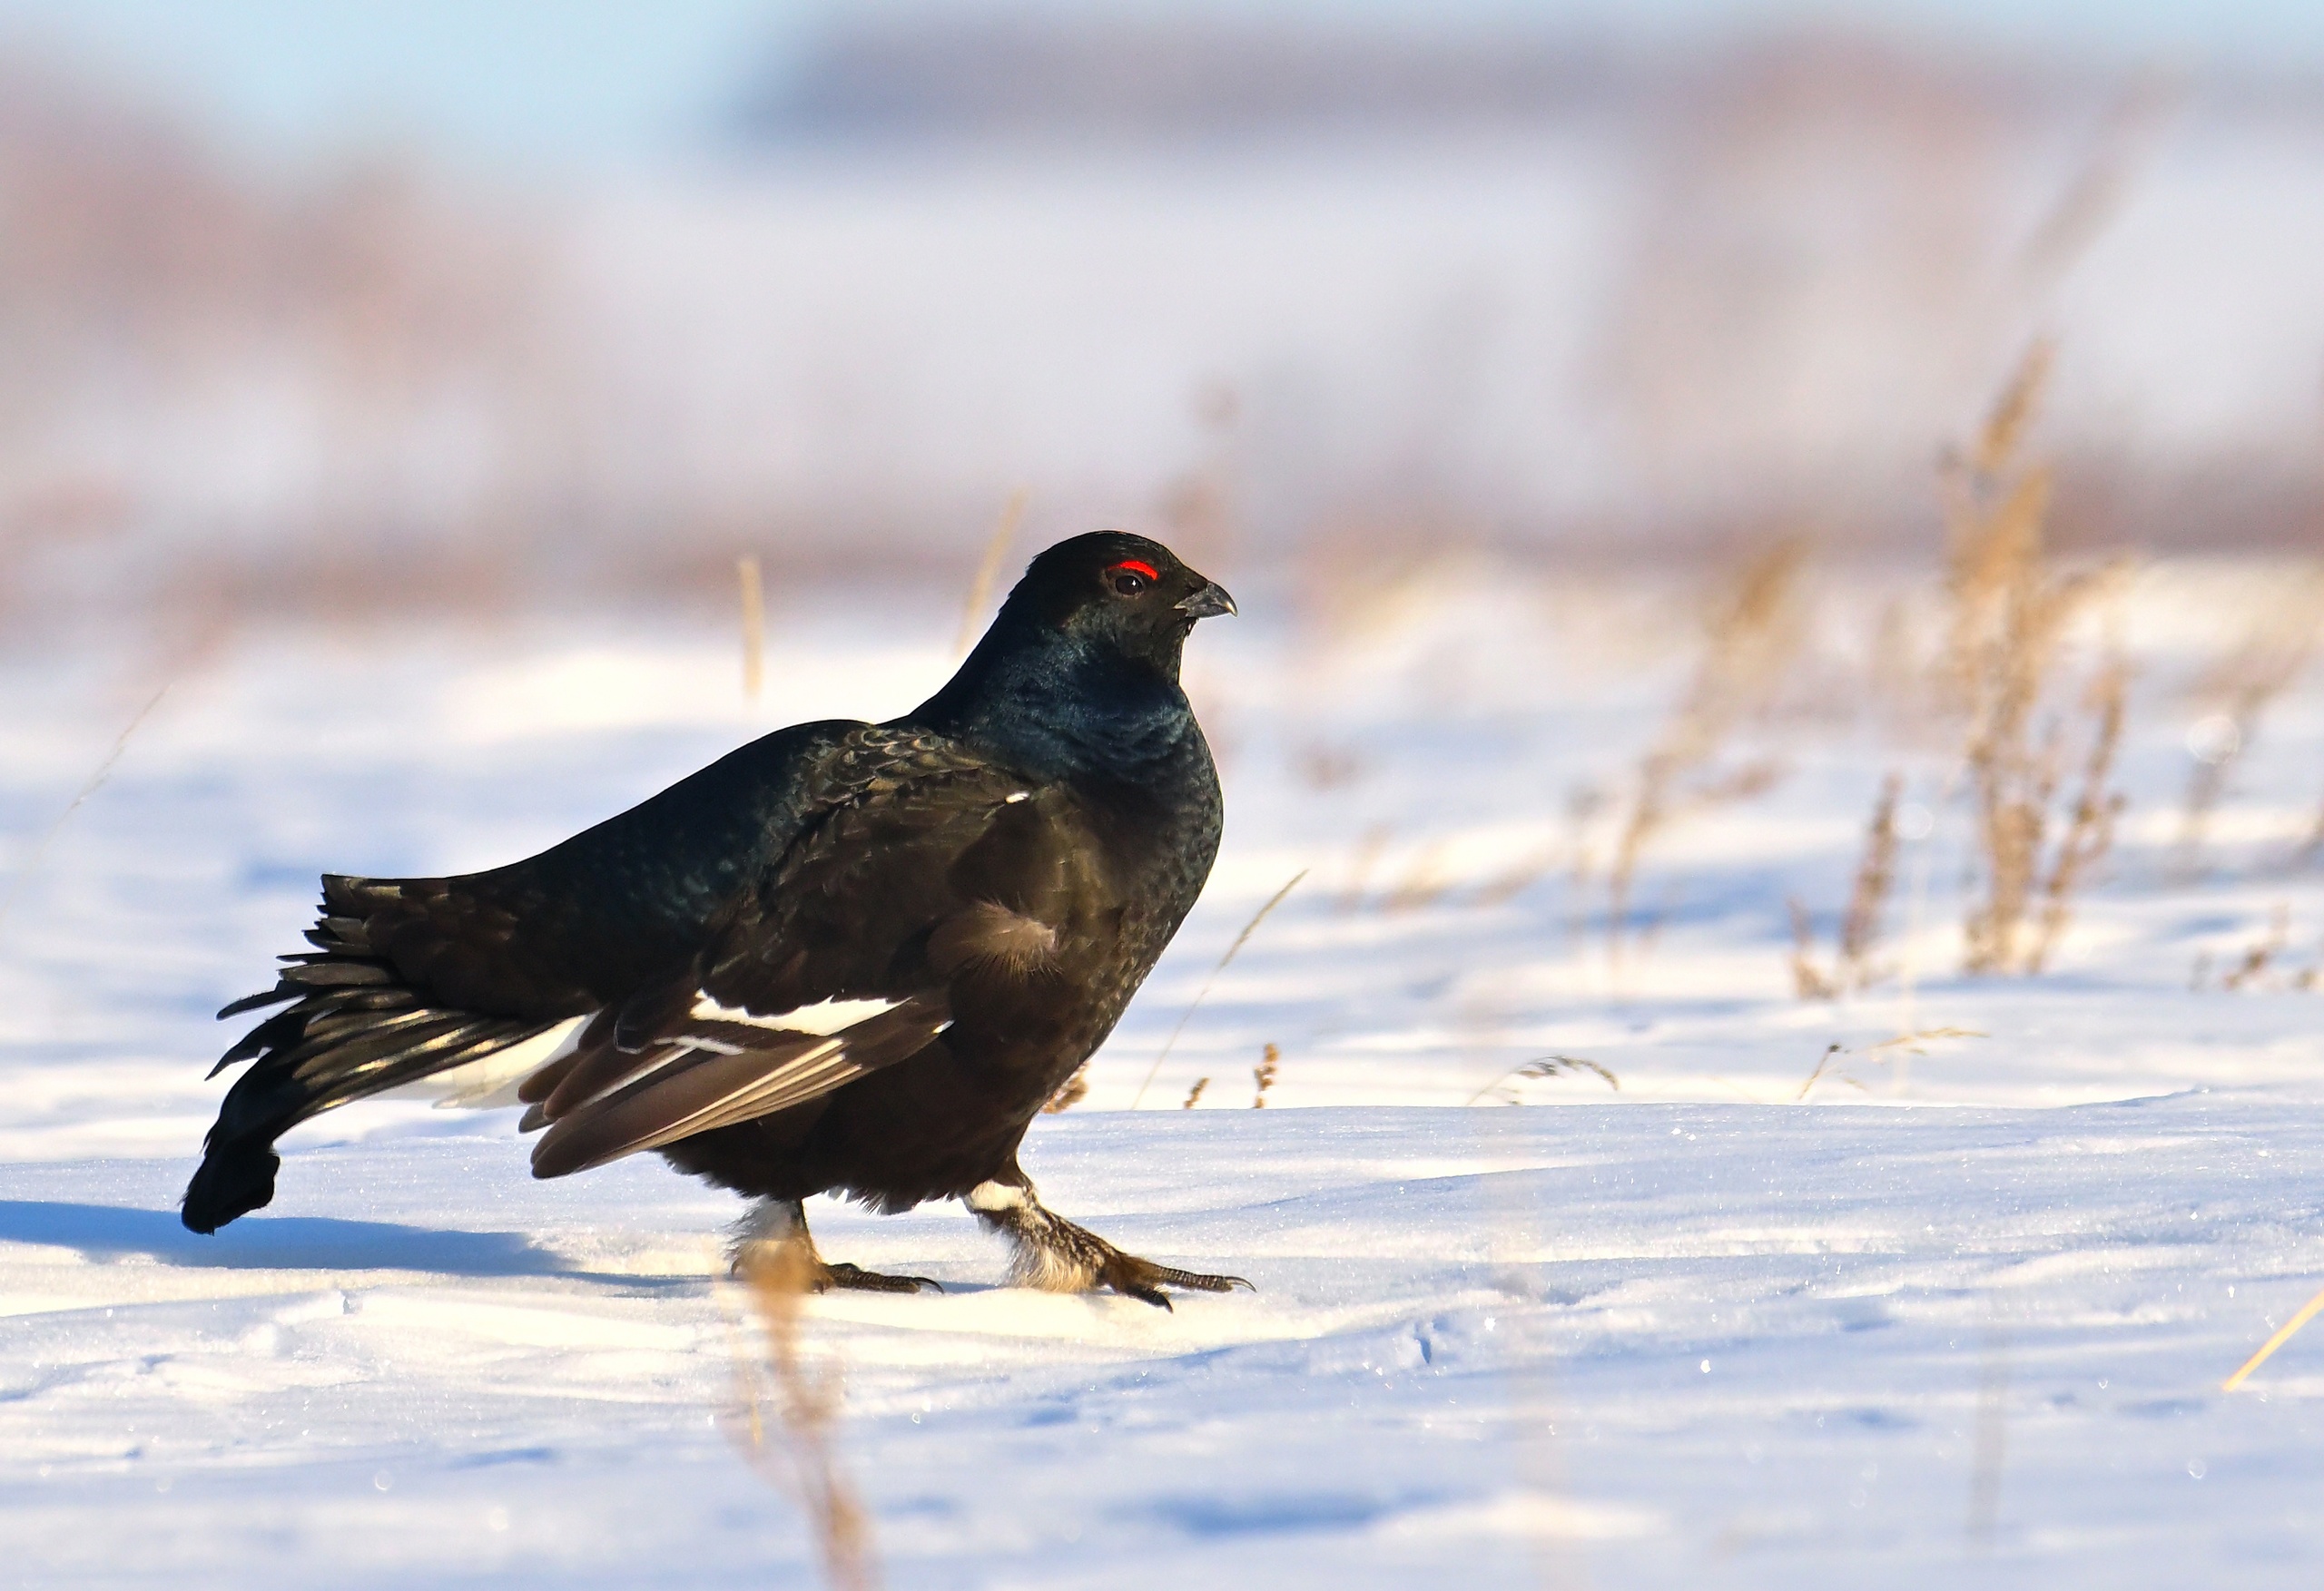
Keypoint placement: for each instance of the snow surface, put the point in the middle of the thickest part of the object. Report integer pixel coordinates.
(1951, 1318)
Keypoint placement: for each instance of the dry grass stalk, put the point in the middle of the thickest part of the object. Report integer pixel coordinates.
(1264, 1074)
(1992, 1442)
(1071, 1092)
(2090, 826)
(1360, 866)
(1546, 1066)
(2283, 1334)
(1911, 1043)
(1423, 882)
(1203, 993)
(746, 575)
(1752, 636)
(798, 1448)
(2262, 952)
(2009, 615)
(2313, 845)
(1887, 1051)
(1807, 979)
(1875, 879)
(1327, 767)
(2237, 690)
(988, 569)
(31, 864)
(1194, 1095)
(1816, 1075)
(1526, 872)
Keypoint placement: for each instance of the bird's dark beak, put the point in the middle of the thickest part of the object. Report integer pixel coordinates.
(1208, 603)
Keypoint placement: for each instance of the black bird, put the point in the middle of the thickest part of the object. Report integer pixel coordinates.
(848, 958)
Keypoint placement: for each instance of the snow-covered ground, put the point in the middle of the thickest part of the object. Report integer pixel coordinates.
(1935, 1319)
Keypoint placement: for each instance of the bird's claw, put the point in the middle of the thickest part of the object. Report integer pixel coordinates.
(1143, 1280)
(855, 1278)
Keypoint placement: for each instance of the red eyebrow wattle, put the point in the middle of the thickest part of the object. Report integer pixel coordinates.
(1136, 568)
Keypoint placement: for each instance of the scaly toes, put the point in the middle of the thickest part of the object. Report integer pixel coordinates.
(1143, 1280)
(856, 1278)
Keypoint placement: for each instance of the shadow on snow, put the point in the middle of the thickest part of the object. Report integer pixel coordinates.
(288, 1242)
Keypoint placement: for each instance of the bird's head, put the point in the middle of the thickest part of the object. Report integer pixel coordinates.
(1080, 667)
(1116, 592)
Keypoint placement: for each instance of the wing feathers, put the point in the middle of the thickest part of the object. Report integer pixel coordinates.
(611, 1104)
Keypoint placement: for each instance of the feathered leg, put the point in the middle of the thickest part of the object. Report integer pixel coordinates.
(1054, 1254)
(777, 1221)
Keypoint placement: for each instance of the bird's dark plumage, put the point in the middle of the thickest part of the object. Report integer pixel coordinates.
(847, 958)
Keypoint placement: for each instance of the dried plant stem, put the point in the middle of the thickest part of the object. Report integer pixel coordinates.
(1194, 1095)
(746, 575)
(988, 569)
(1992, 1443)
(1908, 966)
(2239, 688)
(2009, 615)
(1241, 939)
(1527, 873)
(2256, 960)
(1422, 883)
(1816, 1075)
(1547, 1067)
(1751, 637)
(1807, 980)
(798, 1447)
(2308, 1311)
(2089, 828)
(1071, 1092)
(1875, 875)
(1264, 1074)
(1367, 857)
(31, 864)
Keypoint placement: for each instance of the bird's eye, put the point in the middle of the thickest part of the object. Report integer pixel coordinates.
(1131, 577)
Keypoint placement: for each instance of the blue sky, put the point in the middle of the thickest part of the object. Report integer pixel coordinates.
(543, 85)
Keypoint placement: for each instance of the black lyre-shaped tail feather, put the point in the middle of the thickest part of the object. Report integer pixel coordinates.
(350, 1025)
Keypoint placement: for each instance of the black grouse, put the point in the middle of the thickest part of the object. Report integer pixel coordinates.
(848, 958)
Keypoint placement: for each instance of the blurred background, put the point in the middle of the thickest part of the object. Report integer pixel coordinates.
(423, 304)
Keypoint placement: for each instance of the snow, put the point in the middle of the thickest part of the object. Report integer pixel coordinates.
(1957, 1317)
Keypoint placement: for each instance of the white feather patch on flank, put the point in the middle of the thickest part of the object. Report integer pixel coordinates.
(491, 1082)
(823, 1018)
(993, 1196)
(1037, 1265)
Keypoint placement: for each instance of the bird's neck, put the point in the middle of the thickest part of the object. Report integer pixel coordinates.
(1068, 709)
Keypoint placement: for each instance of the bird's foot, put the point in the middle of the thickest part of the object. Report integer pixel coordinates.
(1143, 1280)
(770, 1244)
(856, 1277)
(1058, 1256)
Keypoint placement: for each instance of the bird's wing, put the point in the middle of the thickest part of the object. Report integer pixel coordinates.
(411, 979)
(930, 862)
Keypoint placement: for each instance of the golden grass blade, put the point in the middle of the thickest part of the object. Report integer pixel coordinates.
(1750, 639)
(1241, 939)
(1264, 1074)
(1816, 1075)
(988, 569)
(746, 573)
(1548, 1067)
(2308, 1311)
(104, 769)
(798, 1447)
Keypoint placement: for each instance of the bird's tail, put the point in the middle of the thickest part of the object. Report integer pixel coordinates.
(353, 1028)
